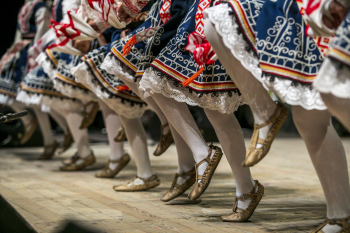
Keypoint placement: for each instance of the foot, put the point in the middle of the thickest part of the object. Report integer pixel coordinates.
(49, 151)
(263, 136)
(29, 130)
(90, 111)
(71, 160)
(166, 139)
(334, 226)
(139, 184)
(245, 205)
(67, 143)
(121, 135)
(113, 167)
(203, 179)
(80, 163)
(181, 183)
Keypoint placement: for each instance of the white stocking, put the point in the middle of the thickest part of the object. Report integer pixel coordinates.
(231, 139)
(328, 157)
(60, 121)
(80, 136)
(338, 107)
(254, 93)
(181, 119)
(185, 157)
(45, 126)
(150, 102)
(19, 107)
(138, 142)
(112, 123)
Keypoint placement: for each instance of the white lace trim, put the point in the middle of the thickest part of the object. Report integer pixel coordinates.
(121, 108)
(113, 66)
(332, 80)
(6, 99)
(58, 103)
(153, 83)
(294, 95)
(44, 62)
(227, 26)
(77, 93)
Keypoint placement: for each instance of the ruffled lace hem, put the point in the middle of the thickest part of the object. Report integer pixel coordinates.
(333, 79)
(301, 95)
(119, 105)
(46, 64)
(74, 92)
(40, 99)
(152, 82)
(6, 99)
(113, 66)
(227, 27)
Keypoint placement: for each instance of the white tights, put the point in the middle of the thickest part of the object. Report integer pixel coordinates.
(323, 144)
(80, 136)
(185, 157)
(20, 107)
(112, 123)
(138, 142)
(45, 125)
(60, 121)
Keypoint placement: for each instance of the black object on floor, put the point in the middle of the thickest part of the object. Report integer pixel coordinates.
(11, 221)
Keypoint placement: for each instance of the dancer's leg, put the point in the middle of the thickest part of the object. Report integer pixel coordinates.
(185, 157)
(181, 119)
(339, 107)
(60, 121)
(138, 142)
(80, 136)
(328, 157)
(45, 126)
(112, 123)
(19, 107)
(231, 139)
(150, 102)
(254, 93)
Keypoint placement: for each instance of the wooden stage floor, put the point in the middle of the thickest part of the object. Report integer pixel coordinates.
(48, 198)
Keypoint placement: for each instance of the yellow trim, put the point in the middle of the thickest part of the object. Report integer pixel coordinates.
(287, 72)
(8, 93)
(131, 66)
(341, 54)
(41, 91)
(203, 87)
(246, 25)
(52, 57)
(70, 81)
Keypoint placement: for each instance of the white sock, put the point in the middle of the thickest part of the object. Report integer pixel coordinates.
(19, 107)
(112, 123)
(60, 121)
(328, 157)
(254, 93)
(80, 136)
(138, 142)
(45, 126)
(231, 138)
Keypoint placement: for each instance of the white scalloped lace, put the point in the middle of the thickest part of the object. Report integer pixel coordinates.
(151, 82)
(76, 93)
(44, 62)
(39, 99)
(113, 66)
(6, 99)
(333, 80)
(227, 26)
(125, 108)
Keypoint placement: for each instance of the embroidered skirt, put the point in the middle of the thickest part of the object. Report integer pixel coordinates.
(268, 38)
(334, 75)
(109, 88)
